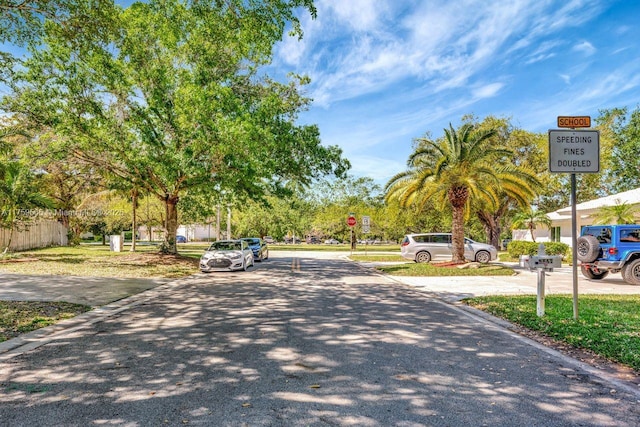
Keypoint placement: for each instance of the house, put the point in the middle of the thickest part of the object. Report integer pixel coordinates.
(560, 230)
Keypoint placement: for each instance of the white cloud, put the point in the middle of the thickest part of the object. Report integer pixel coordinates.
(361, 15)
(585, 47)
(487, 91)
(565, 78)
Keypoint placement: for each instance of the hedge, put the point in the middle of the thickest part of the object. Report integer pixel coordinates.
(522, 247)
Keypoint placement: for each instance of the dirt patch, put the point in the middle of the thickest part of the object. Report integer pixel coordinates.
(12, 260)
(157, 258)
(449, 264)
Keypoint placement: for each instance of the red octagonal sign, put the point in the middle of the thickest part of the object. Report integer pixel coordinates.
(351, 221)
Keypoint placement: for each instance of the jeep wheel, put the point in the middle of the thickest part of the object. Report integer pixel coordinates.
(423, 256)
(588, 248)
(631, 272)
(593, 272)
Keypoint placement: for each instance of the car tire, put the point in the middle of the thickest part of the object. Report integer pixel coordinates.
(631, 272)
(244, 265)
(423, 256)
(483, 257)
(267, 257)
(588, 248)
(593, 272)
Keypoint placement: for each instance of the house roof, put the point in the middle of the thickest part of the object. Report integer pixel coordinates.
(631, 197)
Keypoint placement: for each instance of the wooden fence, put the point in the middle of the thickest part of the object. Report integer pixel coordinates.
(39, 235)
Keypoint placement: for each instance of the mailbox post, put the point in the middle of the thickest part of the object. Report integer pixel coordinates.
(543, 263)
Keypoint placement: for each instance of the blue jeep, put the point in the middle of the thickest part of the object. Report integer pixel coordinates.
(604, 249)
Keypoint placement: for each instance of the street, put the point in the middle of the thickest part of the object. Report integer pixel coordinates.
(301, 341)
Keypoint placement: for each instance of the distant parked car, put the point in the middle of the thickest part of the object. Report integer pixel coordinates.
(258, 246)
(431, 246)
(269, 240)
(331, 242)
(181, 239)
(227, 255)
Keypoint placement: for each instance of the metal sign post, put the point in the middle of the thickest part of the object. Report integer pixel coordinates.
(574, 151)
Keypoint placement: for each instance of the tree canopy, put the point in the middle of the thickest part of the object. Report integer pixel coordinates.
(171, 98)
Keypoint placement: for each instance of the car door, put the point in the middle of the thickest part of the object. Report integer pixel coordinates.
(469, 250)
(441, 244)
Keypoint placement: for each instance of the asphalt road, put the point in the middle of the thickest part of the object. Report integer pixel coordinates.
(300, 341)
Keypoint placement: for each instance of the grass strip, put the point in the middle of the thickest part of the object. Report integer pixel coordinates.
(378, 258)
(608, 325)
(19, 317)
(432, 270)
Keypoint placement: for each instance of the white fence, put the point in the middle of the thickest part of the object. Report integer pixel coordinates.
(38, 235)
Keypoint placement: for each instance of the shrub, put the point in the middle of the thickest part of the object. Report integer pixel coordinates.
(521, 247)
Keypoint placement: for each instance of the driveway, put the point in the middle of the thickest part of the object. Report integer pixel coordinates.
(301, 341)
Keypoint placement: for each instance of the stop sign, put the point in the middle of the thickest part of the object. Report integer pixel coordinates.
(351, 221)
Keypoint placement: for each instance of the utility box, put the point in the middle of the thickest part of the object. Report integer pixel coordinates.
(116, 242)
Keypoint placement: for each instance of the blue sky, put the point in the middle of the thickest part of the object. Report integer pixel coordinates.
(387, 71)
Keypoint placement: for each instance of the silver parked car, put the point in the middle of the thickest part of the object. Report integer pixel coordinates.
(227, 255)
(437, 246)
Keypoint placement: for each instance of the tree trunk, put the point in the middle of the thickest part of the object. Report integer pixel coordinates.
(171, 225)
(491, 224)
(458, 198)
(6, 249)
(457, 235)
(134, 225)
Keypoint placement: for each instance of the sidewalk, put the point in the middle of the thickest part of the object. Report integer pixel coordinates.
(92, 291)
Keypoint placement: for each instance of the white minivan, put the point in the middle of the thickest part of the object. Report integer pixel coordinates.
(425, 247)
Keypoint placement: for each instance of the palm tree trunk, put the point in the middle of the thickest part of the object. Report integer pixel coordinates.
(458, 199)
(457, 235)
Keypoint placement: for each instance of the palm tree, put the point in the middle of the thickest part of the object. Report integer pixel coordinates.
(620, 213)
(529, 218)
(456, 170)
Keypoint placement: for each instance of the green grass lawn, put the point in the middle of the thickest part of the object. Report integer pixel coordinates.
(99, 261)
(377, 257)
(608, 325)
(425, 269)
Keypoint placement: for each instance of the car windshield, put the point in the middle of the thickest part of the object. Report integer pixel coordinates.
(252, 241)
(225, 246)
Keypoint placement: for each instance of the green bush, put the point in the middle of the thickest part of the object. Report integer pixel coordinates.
(521, 247)
(127, 235)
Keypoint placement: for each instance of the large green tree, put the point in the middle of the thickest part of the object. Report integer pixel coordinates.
(173, 98)
(622, 128)
(454, 171)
